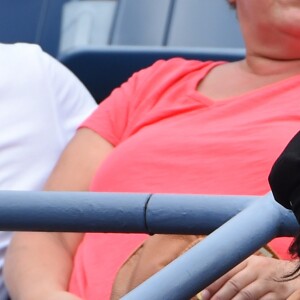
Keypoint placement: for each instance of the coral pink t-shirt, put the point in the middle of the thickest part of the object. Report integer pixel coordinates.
(169, 138)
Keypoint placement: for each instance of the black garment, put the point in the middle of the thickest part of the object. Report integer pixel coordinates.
(284, 178)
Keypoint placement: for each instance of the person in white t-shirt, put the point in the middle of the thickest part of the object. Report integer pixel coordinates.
(41, 105)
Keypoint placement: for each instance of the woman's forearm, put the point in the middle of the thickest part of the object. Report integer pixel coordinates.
(38, 265)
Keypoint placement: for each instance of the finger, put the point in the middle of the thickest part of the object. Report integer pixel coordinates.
(255, 290)
(215, 286)
(295, 296)
(237, 286)
(271, 296)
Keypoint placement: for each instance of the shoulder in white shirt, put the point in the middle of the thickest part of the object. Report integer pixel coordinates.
(41, 105)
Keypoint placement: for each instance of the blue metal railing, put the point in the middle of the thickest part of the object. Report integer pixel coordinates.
(226, 247)
(240, 226)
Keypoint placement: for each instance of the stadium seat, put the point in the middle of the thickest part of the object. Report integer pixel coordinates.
(175, 23)
(103, 42)
(103, 69)
(31, 21)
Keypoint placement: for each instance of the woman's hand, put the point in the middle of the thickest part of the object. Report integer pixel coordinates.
(295, 296)
(256, 278)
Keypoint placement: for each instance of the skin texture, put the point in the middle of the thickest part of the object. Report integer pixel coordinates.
(271, 30)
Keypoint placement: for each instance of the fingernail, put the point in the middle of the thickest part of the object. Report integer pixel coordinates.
(205, 295)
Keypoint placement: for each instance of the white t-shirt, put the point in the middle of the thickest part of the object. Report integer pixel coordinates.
(41, 105)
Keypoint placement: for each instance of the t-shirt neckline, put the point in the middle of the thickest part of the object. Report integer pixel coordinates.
(269, 88)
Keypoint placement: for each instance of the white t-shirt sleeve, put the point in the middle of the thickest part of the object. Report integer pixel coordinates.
(42, 104)
(72, 100)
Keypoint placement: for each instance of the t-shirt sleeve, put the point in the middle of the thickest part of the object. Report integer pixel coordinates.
(71, 100)
(113, 117)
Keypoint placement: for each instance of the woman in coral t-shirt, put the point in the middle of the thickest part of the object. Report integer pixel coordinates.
(177, 127)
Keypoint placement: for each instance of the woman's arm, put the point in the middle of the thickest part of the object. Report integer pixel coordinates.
(38, 265)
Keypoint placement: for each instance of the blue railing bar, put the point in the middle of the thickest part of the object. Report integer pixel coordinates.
(72, 211)
(257, 220)
(193, 212)
(116, 212)
(219, 252)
